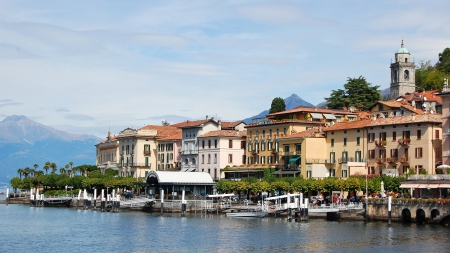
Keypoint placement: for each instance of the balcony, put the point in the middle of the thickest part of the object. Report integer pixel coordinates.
(316, 160)
(403, 159)
(147, 152)
(380, 160)
(269, 137)
(392, 160)
(380, 144)
(404, 141)
(189, 152)
(343, 160)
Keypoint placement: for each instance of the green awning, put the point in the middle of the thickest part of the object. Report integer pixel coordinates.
(293, 160)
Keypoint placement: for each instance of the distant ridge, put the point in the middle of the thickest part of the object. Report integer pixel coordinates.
(291, 102)
(24, 142)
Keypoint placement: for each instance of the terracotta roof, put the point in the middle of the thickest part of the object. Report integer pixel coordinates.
(433, 118)
(348, 125)
(177, 136)
(391, 103)
(189, 123)
(225, 133)
(284, 121)
(313, 132)
(162, 131)
(312, 109)
(230, 124)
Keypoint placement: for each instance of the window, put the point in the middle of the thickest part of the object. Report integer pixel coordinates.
(284, 131)
(203, 144)
(230, 158)
(230, 143)
(215, 158)
(298, 149)
(372, 154)
(344, 171)
(269, 159)
(251, 133)
(394, 136)
(193, 161)
(269, 145)
(270, 132)
(215, 143)
(358, 157)
(332, 157)
(263, 146)
(371, 137)
(418, 152)
(308, 172)
(278, 131)
(332, 172)
(264, 134)
(345, 141)
(380, 107)
(406, 135)
(394, 153)
(332, 142)
(382, 136)
(382, 153)
(209, 143)
(263, 160)
(209, 158)
(203, 158)
(419, 134)
(406, 72)
(344, 156)
(249, 160)
(436, 134)
(249, 147)
(242, 144)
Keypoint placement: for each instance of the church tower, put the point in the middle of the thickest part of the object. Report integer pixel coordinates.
(403, 74)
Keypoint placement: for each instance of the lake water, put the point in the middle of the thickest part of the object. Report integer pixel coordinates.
(43, 229)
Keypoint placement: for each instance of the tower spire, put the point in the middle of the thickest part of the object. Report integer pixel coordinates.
(402, 44)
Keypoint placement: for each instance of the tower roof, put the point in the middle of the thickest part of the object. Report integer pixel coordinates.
(402, 50)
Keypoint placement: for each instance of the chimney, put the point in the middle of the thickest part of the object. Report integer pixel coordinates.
(220, 124)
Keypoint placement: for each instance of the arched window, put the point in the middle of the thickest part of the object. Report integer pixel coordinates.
(186, 161)
(193, 161)
(406, 74)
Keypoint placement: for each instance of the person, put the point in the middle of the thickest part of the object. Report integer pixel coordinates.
(379, 195)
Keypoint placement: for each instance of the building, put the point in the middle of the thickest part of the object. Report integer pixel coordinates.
(402, 74)
(169, 152)
(346, 144)
(229, 151)
(107, 153)
(138, 149)
(445, 96)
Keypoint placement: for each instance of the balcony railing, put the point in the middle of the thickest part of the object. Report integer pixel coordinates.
(392, 160)
(189, 152)
(315, 160)
(380, 144)
(430, 177)
(147, 152)
(404, 159)
(121, 165)
(380, 160)
(404, 141)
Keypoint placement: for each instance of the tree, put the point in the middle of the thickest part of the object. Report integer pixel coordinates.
(20, 172)
(54, 167)
(26, 171)
(165, 123)
(429, 77)
(444, 61)
(278, 105)
(357, 92)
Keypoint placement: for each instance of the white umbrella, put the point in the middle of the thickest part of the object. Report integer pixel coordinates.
(443, 166)
(382, 189)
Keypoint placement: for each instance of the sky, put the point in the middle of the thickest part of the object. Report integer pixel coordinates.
(87, 67)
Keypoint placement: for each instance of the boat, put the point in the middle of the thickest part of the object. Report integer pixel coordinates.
(256, 214)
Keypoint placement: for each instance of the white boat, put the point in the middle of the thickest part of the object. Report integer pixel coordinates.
(257, 214)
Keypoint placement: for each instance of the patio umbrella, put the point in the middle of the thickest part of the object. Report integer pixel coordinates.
(443, 166)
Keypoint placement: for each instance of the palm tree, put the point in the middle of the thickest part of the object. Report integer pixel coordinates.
(35, 166)
(54, 167)
(71, 171)
(26, 172)
(47, 167)
(20, 171)
(62, 171)
(67, 168)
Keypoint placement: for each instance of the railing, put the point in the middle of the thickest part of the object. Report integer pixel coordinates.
(392, 160)
(380, 160)
(147, 152)
(120, 165)
(430, 177)
(343, 160)
(315, 160)
(390, 172)
(404, 159)
(404, 142)
(189, 152)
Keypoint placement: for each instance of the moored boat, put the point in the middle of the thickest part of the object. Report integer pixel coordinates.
(256, 214)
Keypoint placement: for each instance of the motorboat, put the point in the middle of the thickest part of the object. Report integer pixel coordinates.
(256, 214)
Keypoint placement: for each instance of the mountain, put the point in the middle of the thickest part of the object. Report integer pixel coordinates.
(24, 143)
(291, 102)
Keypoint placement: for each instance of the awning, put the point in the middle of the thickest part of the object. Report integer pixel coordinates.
(293, 160)
(285, 172)
(409, 186)
(423, 186)
(329, 116)
(433, 186)
(316, 115)
(444, 186)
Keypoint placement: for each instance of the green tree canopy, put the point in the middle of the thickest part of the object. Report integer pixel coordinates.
(278, 105)
(357, 92)
(429, 77)
(444, 61)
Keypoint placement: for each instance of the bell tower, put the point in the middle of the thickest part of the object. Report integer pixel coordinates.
(403, 74)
